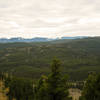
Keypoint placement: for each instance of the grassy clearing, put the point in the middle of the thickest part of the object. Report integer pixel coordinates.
(75, 93)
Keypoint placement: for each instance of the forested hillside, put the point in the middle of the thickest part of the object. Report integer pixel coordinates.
(78, 57)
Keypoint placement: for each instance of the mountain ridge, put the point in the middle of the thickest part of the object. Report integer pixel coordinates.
(36, 39)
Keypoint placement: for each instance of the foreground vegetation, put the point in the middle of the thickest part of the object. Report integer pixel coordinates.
(54, 86)
(51, 87)
(91, 90)
(2, 91)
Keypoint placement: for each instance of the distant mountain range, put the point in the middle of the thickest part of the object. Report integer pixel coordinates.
(19, 39)
(37, 39)
(76, 37)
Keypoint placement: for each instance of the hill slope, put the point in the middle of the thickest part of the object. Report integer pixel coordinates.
(33, 59)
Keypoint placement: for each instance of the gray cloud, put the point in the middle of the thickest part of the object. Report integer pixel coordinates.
(49, 18)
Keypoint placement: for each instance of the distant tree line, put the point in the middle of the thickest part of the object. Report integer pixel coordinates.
(76, 84)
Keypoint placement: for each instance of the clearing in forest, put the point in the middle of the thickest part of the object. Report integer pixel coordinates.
(75, 93)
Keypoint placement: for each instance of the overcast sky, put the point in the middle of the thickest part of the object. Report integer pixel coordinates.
(49, 18)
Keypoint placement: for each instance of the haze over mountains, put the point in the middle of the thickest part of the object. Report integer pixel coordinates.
(36, 39)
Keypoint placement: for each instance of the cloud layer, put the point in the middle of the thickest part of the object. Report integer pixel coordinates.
(49, 18)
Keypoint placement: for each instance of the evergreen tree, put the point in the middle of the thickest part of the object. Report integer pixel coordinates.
(91, 89)
(53, 87)
(41, 89)
(57, 88)
(20, 89)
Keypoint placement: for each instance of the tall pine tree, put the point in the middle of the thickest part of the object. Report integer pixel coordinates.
(54, 87)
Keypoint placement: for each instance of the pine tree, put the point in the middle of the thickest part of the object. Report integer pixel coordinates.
(57, 88)
(41, 89)
(91, 89)
(54, 87)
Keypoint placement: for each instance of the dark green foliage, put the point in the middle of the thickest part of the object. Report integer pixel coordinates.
(41, 89)
(20, 89)
(53, 87)
(1, 76)
(7, 80)
(91, 89)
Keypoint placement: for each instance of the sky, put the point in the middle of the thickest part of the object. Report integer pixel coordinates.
(49, 18)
